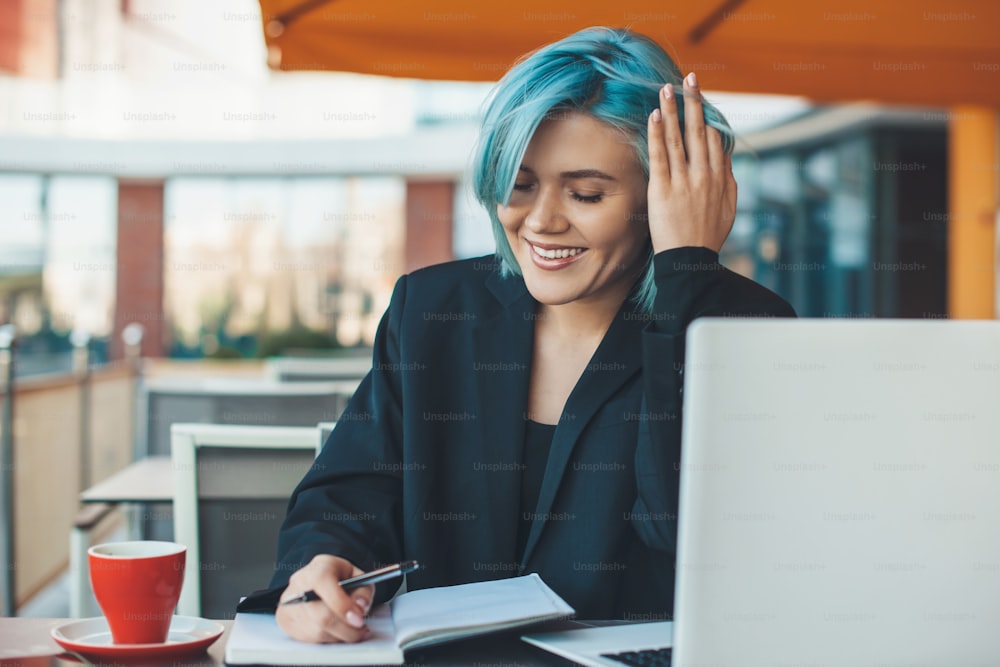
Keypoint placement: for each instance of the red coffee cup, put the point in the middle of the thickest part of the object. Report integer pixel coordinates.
(137, 585)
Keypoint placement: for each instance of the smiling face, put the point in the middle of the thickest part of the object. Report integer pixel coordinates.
(576, 219)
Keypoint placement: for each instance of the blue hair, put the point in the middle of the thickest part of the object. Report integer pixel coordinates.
(612, 75)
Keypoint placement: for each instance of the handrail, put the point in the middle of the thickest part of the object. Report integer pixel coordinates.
(92, 438)
(7, 602)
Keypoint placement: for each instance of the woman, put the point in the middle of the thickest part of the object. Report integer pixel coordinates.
(522, 414)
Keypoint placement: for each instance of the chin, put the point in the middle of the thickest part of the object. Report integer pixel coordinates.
(551, 297)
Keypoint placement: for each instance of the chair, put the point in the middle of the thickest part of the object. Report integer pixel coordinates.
(253, 402)
(300, 369)
(231, 489)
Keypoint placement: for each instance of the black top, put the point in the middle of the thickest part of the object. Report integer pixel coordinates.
(537, 442)
(420, 464)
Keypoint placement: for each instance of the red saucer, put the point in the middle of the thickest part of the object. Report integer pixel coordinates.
(91, 638)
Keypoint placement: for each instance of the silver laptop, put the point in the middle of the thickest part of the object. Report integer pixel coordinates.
(840, 496)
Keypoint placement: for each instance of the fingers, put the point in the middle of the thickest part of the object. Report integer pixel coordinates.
(691, 196)
(696, 148)
(360, 597)
(694, 125)
(729, 194)
(727, 168)
(659, 166)
(672, 138)
(338, 615)
(317, 623)
(716, 154)
(341, 602)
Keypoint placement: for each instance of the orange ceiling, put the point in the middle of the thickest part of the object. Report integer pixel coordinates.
(898, 51)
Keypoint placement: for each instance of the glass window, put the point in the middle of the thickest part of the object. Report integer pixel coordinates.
(246, 256)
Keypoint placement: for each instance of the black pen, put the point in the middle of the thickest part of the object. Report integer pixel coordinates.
(373, 577)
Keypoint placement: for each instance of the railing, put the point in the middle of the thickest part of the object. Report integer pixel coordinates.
(69, 431)
(7, 335)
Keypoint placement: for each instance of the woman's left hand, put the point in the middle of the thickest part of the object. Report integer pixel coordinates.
(692, 194)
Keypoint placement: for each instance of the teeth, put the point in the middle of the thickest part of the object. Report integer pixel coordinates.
(559, 253)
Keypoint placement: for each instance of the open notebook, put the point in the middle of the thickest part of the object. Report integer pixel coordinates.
(414, 619)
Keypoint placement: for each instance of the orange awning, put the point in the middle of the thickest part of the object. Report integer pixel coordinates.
(896, 51)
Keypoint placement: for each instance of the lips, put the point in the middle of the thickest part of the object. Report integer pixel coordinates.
(550, 256)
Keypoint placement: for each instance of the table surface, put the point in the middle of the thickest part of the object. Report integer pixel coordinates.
(150, 480)
(26, 642)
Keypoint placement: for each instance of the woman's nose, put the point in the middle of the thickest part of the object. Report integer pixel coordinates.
(546, 215)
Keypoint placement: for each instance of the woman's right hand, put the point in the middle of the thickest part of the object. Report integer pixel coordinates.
(338, 615)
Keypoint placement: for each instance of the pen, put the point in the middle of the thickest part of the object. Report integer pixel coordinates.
(373, 577)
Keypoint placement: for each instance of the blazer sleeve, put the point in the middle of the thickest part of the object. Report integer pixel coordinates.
(690, 283)
(349, 502)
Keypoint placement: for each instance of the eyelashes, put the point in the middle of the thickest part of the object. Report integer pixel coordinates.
(585, 199)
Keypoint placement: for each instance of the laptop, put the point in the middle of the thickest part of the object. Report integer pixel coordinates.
(839, 502)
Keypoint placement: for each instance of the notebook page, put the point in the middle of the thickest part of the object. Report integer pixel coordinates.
(433, 615)
(256, 639)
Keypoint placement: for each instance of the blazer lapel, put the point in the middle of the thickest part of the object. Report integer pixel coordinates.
(502, 348)
(617, 358)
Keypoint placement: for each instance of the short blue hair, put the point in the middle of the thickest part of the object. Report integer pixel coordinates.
(612, 75)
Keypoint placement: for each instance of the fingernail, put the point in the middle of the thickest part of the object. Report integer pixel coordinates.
(668, 90)
(692, 80)
(354, 620)
(656, 115)
(364, 604)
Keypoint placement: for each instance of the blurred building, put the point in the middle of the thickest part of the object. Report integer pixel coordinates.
(155, 171)
(844, 211)
(319, 253)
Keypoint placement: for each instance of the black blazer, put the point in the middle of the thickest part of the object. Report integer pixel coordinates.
(425, 462)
